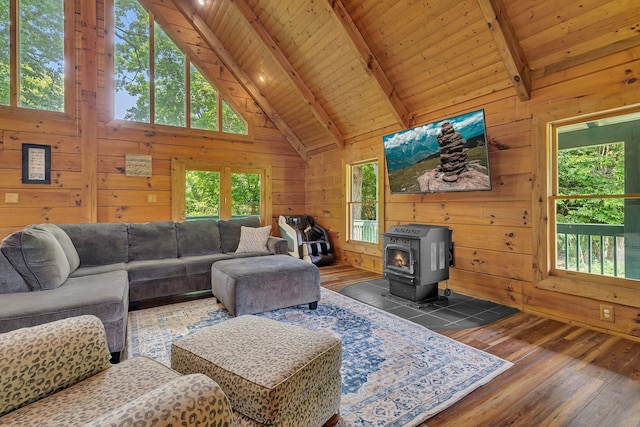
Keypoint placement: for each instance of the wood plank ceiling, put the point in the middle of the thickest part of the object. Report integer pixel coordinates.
(327, 70)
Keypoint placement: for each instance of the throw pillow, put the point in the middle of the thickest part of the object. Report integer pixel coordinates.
(230, 231)
(253, 239)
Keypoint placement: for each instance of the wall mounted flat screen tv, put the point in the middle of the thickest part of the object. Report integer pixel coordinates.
(447, 155)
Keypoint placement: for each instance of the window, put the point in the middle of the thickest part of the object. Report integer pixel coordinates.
(32, 74)
(5, 54)
(596, 196)
(202, 194)
(221, 192)
(155, 82)
(245, 194)
(131, 62)
(231, 121)
(363, 202)
(169, 89)
(204, 103)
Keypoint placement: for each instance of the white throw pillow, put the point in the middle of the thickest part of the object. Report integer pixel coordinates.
(253, 239)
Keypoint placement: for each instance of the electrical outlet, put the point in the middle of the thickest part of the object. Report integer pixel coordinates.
(152, 198)
(607, 313)
(11, 198)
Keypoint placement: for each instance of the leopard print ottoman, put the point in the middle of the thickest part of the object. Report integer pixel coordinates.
(273, 373)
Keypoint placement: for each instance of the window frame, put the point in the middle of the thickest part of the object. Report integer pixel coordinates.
(548, 253)
(69, 61)
(349, 241)
(179, 166)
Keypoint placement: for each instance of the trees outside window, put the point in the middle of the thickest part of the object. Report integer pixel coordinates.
(5, 54)
(204, 103)
(231, 121)
(155, 82)
(363, 202)
(170, 81)
(131, 62)
(245, 194)
(37, 64)
(223, 193)
(202, 190)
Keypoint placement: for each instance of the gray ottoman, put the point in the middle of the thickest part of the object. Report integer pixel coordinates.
(258, 284)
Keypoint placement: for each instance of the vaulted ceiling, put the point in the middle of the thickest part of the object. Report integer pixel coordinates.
(327, 70)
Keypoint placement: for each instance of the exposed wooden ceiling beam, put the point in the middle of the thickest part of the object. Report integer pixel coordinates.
(589, 56)
(507, 43)
(371, 64)
(277, 54)
(214, 43)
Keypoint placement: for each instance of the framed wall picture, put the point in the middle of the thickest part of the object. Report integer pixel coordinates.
(138, 165)
(36, 164)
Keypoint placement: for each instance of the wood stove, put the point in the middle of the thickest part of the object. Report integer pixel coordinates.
(416, 257)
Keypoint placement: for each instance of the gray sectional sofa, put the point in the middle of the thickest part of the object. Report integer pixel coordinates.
(50, 272)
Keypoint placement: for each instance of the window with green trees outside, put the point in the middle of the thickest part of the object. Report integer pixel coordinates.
(363, 202)
(155, 82)
(203, 191)
(36, 68)
(596, 195)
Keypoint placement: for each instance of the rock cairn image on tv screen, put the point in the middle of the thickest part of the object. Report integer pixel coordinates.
(448, 155)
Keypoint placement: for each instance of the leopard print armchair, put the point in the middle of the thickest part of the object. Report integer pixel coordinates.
(59, 373)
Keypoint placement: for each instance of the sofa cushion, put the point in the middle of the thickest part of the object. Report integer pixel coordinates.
(152, 240)
(38, 257)
(201, 264)
(154, 269)
(194, 400)
(99, 243)
(98, 269)
(90, 399)
(67, 354)
(10, 279)
(103, 295)
(65, 241)
(253, 239)
(198, 237)
(230, 231)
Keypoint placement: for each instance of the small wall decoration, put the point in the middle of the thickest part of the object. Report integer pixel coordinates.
(36, 164)
(138, 165)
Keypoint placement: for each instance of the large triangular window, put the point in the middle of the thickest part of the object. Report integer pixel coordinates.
(155, 82)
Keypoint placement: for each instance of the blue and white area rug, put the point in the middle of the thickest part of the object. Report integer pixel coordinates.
(394, 372)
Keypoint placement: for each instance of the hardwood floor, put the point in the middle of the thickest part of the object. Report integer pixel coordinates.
(563, 375)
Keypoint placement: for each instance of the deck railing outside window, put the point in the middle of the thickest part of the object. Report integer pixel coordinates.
(591, 248)
(217, 218)
(365, 231)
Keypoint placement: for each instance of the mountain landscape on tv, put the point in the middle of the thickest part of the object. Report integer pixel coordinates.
(429, 159)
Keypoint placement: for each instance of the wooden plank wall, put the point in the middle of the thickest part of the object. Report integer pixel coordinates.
(119, 197)
(499, 235)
